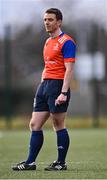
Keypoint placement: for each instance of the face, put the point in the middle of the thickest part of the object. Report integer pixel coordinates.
(51, 23)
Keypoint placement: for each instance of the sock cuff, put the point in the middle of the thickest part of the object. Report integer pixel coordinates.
(37, 132)
(62, 131)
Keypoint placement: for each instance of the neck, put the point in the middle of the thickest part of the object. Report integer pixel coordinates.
(55, 33)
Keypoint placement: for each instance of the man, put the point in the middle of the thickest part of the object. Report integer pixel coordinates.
(53, 94)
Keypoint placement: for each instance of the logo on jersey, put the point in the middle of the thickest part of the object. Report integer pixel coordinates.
(62, 39)
(55, 48)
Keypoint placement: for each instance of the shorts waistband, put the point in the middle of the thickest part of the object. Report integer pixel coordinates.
(54, 79)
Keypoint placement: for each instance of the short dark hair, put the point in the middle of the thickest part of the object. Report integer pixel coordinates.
(55, 11)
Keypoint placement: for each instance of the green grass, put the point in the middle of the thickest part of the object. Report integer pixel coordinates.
(87, 157)
(21, 122)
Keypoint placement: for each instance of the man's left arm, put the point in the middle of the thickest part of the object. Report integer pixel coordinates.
(66, 83)
(68, 76)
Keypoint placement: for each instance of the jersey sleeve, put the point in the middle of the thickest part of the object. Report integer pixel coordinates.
(69, 51)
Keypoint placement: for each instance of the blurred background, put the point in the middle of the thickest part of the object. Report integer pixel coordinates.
(22, 37)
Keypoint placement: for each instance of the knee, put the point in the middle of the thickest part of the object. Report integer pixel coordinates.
(57, 125)
(32, 125)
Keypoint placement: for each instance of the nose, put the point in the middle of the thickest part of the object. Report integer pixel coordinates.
(47, 22)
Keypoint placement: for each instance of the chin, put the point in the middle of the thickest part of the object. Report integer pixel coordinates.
(48, 31)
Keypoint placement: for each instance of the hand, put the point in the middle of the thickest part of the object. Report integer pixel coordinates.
(60, 99)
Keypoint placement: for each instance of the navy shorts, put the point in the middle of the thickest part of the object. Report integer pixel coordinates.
(47, 93)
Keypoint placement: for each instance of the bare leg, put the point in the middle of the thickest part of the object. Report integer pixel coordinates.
(38, 119)
(58, 120)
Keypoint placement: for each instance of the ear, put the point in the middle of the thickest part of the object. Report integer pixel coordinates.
(59, 22)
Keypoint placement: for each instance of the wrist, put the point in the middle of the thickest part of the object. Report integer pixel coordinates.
(64, 93)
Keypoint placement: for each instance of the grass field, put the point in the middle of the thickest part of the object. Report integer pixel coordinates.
(87, 157)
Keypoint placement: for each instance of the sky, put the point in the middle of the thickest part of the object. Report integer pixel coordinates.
(22, 12)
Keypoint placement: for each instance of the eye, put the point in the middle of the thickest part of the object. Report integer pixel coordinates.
(50, 19)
